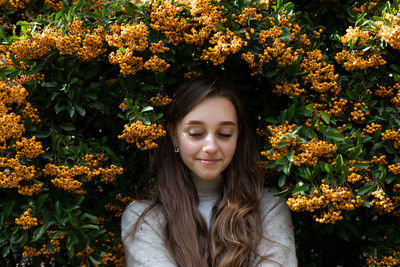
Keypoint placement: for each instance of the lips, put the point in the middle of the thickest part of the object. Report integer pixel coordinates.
(209, 161)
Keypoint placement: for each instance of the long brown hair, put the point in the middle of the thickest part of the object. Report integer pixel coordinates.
(236, 220)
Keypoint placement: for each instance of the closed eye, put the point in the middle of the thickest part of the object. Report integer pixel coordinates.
(225, 135)
(195, 134)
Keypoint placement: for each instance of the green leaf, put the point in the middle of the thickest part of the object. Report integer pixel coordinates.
(282, 180)
(367, 188)
(356, 152)
(286, 168)
(147, 108)
(41, 134)
(283, 193)
(335, 135)
(94, 261)
(283, 143)
(71, 208)
(301, 188)
(67, 126)
(37, 234)
(80, 109)
(7, 210)
(361, 165)
(6, 251)
(220, 27)
(90, 226)
(397, 77)
(40, 201)
(58, 208)
(325, 117)
(36, 68)
(92, 218)
(289, 156)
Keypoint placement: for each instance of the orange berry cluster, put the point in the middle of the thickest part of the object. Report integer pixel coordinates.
(92, 45)
(385, 261)
(23, 79)
(357, 115)
(389, 30)
(384, 91)
(191, 75)
(393, 136)
(353, 34)
(11, 126)
(394, 168)
(129, 39)
(123, 105)
(36, 47)
(288, 89)
(64, 175)
(16, 4)
(321, 75)
(224, 44)
(274, 47)
(371, 129)
(143, 135)
(116, 257)
(29, 190)
(156, 64)
(169, 19)
(29, 148)
(276, 137)
(310, 153)
(307, 154)
(85, 252)
(33, 252)
(160, 100)
(396, 99)
(335, 200)
(337, 108)
(16, 174)
(54, 5)
(381, 161)
(118, 209)
(25, 221)
(317, 34)
(364, 7)
(356, 61)
(158, 47)
(247, 14)
(382, 203)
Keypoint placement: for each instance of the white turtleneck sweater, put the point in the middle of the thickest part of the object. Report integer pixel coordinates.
(145, 248)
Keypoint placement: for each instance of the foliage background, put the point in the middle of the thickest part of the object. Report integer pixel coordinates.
(320, 81)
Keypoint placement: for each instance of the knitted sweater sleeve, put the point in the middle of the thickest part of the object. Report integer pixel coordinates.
(145, 247)
(277, 244)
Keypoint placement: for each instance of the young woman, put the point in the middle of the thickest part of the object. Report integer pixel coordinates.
(209, 207)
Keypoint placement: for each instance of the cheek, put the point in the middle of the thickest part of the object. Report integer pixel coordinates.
(188, 149)
(229, 149)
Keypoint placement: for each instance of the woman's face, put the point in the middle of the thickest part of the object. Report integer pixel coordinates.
(207, 137)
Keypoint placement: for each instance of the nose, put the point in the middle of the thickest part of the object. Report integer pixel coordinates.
(210, 144)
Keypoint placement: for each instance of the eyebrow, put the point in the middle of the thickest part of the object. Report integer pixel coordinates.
(221, 123)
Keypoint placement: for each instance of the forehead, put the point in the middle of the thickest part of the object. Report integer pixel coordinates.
(212, 110)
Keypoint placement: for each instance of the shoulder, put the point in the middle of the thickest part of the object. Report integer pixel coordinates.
(270, 203)
(132, 213)
(278, 242)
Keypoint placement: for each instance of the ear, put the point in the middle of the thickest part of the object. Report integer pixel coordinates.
(172, 134)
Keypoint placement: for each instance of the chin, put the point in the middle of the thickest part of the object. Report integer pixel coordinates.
(208, 176)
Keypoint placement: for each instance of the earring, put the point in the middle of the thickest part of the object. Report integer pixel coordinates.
(176, 150)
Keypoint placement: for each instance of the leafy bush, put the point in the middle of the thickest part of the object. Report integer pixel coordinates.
(83, 89)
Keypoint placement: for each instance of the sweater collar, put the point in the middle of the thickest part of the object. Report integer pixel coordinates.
(207, 188)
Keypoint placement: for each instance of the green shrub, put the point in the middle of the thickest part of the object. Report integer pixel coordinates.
(83, 89)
